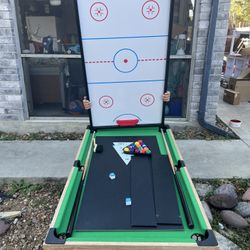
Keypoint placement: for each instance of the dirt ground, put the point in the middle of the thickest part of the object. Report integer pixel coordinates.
(37, 204)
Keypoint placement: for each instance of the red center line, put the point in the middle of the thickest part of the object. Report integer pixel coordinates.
(126, 60)
(152, 59)
(99, 62)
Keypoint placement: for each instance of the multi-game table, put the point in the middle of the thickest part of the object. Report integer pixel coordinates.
(113, 200)
(165, 210)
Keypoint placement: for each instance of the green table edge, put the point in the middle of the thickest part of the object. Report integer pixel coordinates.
(183, 236)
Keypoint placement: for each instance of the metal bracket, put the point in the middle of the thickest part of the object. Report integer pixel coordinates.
(52, 238)
(164, 128)
(77, 164)
(180, 165)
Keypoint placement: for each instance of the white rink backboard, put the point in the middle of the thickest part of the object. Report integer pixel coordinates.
(125, 51)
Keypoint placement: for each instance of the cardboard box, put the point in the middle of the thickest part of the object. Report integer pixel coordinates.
(245, 74)
(245, 52)
(242, 86)
(231, 97)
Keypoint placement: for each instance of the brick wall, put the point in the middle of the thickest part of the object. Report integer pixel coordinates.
(11, 105)
(217, 59)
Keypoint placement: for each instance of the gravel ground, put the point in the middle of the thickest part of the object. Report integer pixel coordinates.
(37, 204)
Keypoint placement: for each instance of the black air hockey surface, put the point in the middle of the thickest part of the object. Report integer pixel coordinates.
(147, 180)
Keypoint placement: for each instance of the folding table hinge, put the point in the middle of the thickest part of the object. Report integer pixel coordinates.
(164, 128)
(91, 128)
(180, 165)
(77, 164)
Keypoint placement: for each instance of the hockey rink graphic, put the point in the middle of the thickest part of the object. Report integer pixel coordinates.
(125, 53)
(123, 18)
(125, 59)
(107, 98)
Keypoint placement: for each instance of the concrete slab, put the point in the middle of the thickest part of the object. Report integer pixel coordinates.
(226, 112)
(46, 125)
(42, 160)
(36, 159)
(216, 159)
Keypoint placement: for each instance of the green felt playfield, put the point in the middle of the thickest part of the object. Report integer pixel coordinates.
(61, 234)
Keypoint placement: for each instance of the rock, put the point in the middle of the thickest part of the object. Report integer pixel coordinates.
(4, 196)
(15, 221)
(221, 226)
(22, 236)
(228, 189)
(3, 227)
(10, 215)
(203, 189)
(207, 211)
(248, 219)
(222, 201)
(243, 208)
(233, 219)
(224, 243)
(246, 195)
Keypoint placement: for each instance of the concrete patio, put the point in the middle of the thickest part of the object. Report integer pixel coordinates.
(38, 161)
(226, 112)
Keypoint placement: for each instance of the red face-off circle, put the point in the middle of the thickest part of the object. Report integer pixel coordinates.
(99, 11)
(150, 9)
(147, 100)
(106, 102)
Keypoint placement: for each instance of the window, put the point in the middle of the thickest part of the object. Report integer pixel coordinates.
(48, 29)
(56, 86)
(51, 57)
(180, 57)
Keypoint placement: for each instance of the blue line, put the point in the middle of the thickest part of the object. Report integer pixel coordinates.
(141, 81)
(125, 37)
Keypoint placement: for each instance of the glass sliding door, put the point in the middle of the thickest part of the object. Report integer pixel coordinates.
(51, 57)
(180, 59)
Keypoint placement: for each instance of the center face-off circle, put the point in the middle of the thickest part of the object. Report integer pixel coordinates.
(125, 60)
(106, 102)
(150, 9)
(147, 100)
(99, 11)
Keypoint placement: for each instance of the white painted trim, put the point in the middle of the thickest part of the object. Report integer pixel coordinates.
(56, 119)
(180, 57)
(49, 56)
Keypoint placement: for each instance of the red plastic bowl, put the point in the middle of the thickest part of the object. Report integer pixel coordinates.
(127, 123)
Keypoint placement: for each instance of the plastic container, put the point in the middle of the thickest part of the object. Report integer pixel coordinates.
(234, 123)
